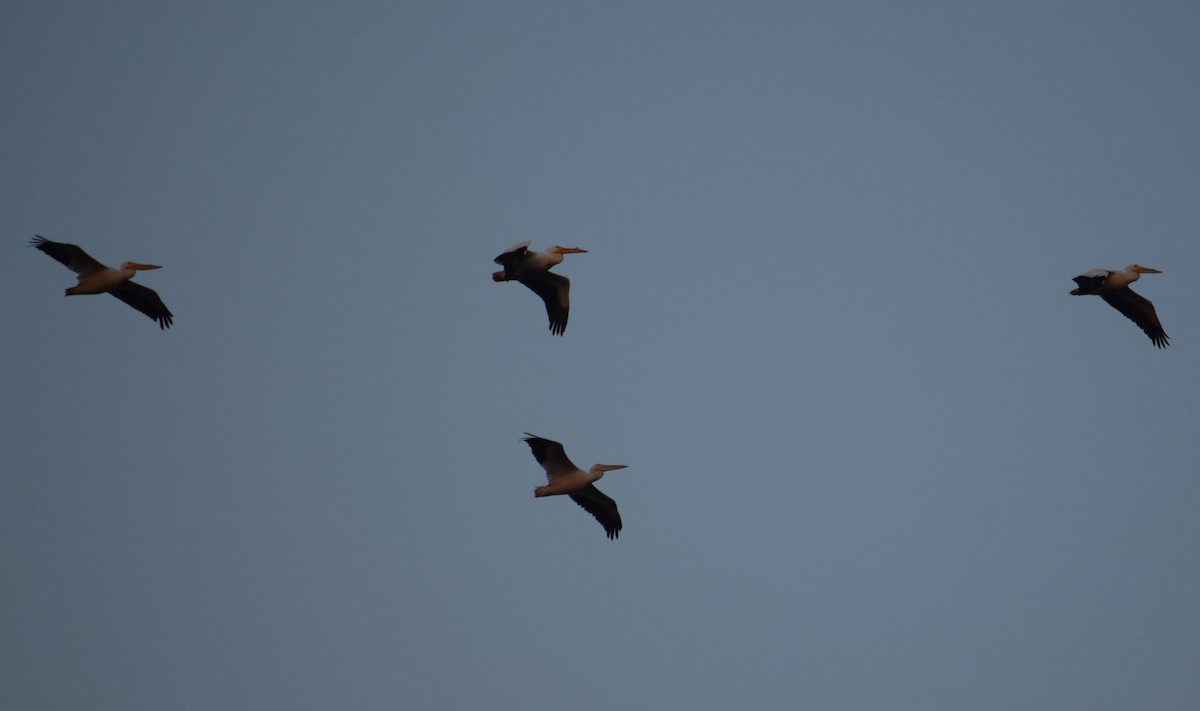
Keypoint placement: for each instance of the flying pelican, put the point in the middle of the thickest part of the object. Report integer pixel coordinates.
(533, 270)
(95, 278)
(1113, 287)
(566, 478)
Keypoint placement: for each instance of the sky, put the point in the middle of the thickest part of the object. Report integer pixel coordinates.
(877, 456)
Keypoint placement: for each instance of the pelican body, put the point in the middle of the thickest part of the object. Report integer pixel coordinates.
(1113, 287)
(563, 477)
(96, 278)
(533, 270)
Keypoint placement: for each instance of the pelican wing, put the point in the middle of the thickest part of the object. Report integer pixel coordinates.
(70, 256)
(551, 456)
(600, 506)
(1138, 309)
(145, 300)
(555, 291)
(512, 257)
(1092, 282)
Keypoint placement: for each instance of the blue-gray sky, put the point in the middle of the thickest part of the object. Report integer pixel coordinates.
(878, 456)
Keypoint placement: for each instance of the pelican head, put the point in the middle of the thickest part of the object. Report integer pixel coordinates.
(599, 469)
(567, 250)
(136, 267)
(1139, 269)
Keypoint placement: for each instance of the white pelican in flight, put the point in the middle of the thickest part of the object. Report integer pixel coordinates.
(566, 478)
(95, 278)
(1113, 287)
(533, 270)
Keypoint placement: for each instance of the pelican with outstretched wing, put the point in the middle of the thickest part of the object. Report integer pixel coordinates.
(533, 270)
(1113, 286)
(95, 278)
(566, 478)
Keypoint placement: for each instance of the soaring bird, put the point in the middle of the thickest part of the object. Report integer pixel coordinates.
(533, 270)
(95, 278)
(1113, 287)
(566, 478)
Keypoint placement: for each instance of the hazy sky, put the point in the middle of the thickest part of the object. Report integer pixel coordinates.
(878, 457)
